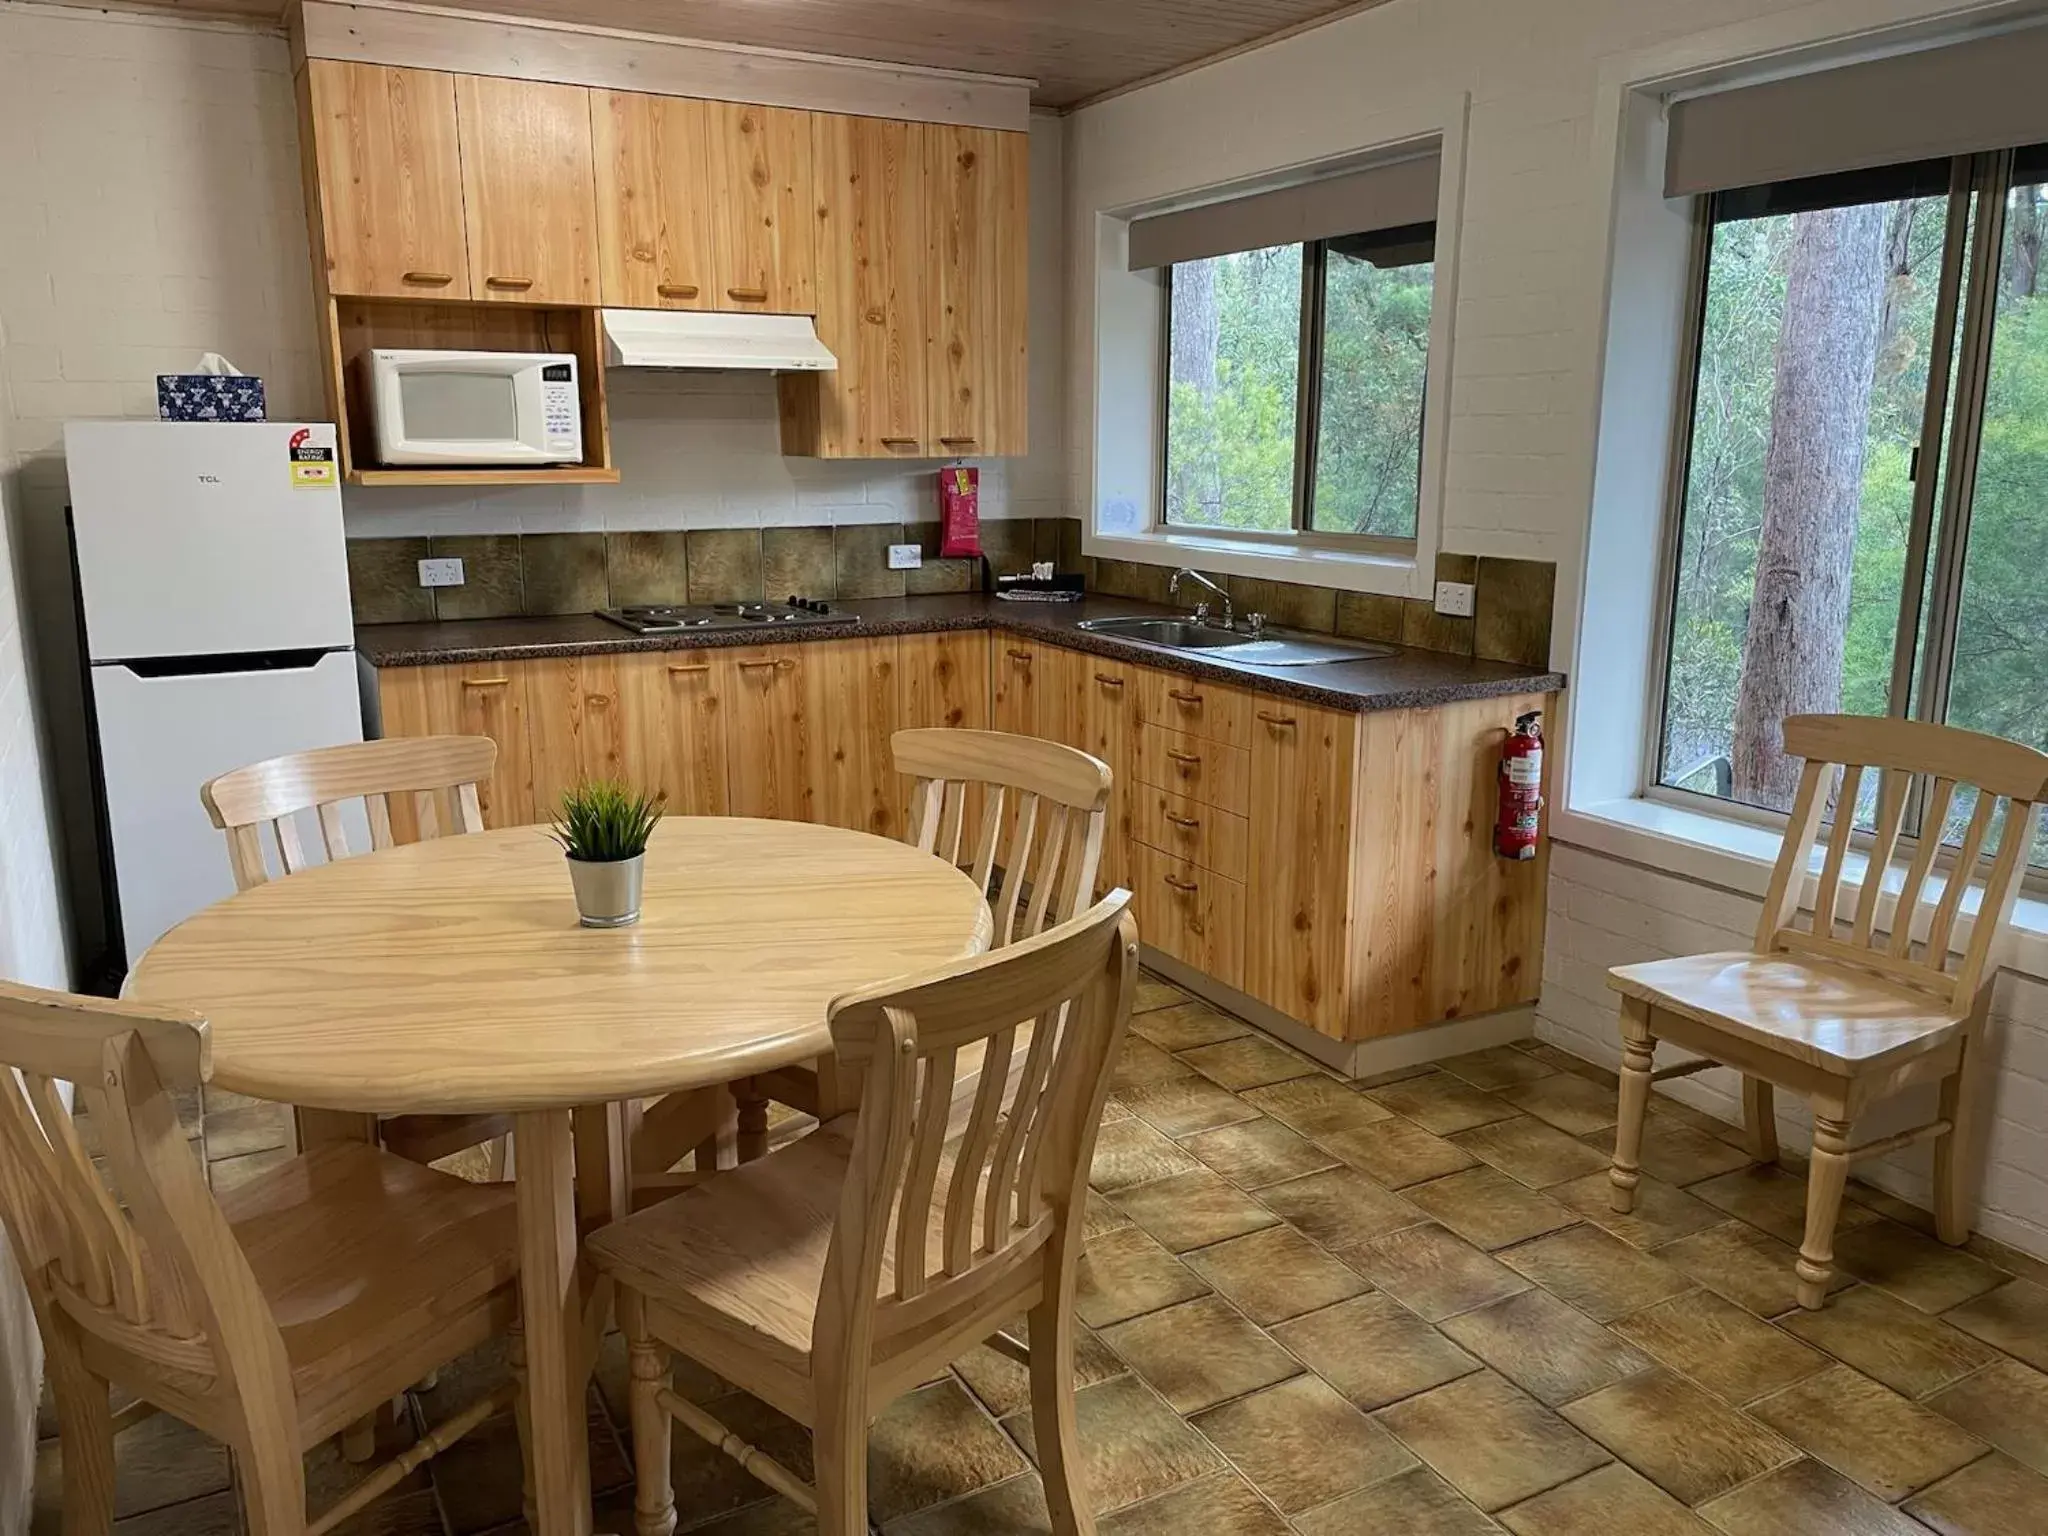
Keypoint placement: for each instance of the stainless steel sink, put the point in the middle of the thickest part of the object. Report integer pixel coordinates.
(1273, 648)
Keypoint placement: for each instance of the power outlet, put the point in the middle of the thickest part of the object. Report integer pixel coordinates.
(445, 571)
(1454, 599)
(905, 557)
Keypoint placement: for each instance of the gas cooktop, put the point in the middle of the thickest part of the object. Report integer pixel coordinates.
(658, 619)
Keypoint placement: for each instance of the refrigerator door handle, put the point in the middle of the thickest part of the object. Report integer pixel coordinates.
(226, 663)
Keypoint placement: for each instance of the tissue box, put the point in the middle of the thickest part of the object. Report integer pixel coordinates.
(209, 397)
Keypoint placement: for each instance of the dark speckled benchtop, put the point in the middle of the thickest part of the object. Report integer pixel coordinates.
(1409, 679)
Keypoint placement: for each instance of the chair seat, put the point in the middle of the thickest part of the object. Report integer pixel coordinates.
(1829, 1015)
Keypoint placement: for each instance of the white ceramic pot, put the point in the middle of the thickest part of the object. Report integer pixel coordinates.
(608, 894)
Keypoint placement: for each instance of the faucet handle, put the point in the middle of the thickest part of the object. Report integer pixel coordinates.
(1201, 613)
(1255, 623)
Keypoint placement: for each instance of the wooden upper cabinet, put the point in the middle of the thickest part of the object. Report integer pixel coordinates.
(654, 201)
(389, 180)
(978, 181)
(528, 190)
(764, 200)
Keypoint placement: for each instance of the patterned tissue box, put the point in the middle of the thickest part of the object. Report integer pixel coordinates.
(209, 397)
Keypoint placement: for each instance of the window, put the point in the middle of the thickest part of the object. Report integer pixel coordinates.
(1295, 386)
(1863, 503)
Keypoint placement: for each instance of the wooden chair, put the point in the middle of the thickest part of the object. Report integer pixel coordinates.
(424, 786)
(842, 1270)
(272, 1319)
(1849, 1019)
(977, 794)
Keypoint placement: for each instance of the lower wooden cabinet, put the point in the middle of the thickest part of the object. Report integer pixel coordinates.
(1301, 861)
(1194, 914)
(484, 699)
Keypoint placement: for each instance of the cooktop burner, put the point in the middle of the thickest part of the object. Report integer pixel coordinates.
(664, 619)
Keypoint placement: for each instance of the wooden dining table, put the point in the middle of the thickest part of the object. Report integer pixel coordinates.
(451, 977)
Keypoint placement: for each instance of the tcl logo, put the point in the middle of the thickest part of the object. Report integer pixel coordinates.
(209, 479)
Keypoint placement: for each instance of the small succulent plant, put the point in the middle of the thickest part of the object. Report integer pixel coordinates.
(604, 822)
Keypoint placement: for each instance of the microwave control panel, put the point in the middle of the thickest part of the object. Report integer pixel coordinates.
(561, 412)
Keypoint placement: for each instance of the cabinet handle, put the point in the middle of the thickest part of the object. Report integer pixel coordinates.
(1184, 758)
(1287, 721)
(901, 442)
(509, 284)
(677, 668)
(485, 682)
(1189, 822)
(1179, 697)
(1023, 656)
(747, 295)
(959, 442)
(780, 664)
(1187, 887)
(431, 279)
(677, 290)
(1107, 681)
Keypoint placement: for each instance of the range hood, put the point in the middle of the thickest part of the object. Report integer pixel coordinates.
(680, 338)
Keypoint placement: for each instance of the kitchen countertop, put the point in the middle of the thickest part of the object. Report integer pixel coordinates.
(1409, 679)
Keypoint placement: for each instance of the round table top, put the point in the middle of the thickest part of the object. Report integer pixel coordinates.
(451, 976)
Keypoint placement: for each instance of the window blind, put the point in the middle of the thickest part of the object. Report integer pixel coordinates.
(1389, 196)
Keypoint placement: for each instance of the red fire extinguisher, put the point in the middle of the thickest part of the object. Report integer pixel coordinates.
(1521, 789)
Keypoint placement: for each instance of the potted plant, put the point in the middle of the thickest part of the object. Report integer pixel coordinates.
(604, 828)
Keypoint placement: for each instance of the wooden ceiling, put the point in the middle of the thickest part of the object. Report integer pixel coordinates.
(1075, 49)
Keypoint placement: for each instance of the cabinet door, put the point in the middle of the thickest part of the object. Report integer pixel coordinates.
(576, 724)
(390, 180)
(942, 681)
(527, 190)
(871, 285)
(1109, 716)
(978, 183)
(1297, 937)
(486, 699)
(1037, 691)
(654, 200)
(1193, 914)
(768, 745)
(765, 197)
(674, 742)
(849, 689)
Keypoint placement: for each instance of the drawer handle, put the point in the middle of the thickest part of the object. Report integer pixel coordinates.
(1286, 721)
(1184, 698)
(430, 279)
(901, 442)
(1185, 887)
(747, 295)
(676, 290)
(1023, 656)
(509, 284)
(781, 663)
(1184, 758)
(959, 442)
(485, 682)
(1190, 822)
(1107, 681)
(677, 668)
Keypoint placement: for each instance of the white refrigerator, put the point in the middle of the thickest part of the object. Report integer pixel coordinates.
(213, 595)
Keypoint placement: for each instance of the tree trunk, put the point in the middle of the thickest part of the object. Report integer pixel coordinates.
(1813, 478)
(2024, 273)
(1196, 325)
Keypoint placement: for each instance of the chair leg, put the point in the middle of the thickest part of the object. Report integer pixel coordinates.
(1827, 1175)
(85, 1421)
(522, 1418)
(359, 1440)
(1956, 1151)
(654, 1501)
(839, 1451)
(271, 1481)
(1760, 1119)
(1052, 1415)
(1638, 1050)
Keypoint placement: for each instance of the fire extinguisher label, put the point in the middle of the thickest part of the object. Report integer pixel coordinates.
(1525, 772)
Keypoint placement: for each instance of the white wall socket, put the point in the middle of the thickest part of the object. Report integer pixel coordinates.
(443, 572)
(1454, 598)
(905, 557)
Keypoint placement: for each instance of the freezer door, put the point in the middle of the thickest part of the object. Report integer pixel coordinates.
(204, 538)
(163, 737)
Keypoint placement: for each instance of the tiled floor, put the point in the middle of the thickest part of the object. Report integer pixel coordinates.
(1400, 1305)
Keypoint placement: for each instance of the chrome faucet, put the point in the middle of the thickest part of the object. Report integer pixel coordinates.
(1202, 609)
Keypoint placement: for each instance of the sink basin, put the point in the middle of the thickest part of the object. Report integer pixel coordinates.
(1274, 648)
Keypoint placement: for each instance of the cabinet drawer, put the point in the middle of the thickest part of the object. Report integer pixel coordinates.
(1193, 915)
(1202, 770)
(1205, 710)
(1187, 829)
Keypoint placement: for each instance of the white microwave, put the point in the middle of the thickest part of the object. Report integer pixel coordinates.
(449, 407)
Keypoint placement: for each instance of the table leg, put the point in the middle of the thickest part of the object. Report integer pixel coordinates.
(551, 1300)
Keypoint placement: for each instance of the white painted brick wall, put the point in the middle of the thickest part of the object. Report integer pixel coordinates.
(1605, 912)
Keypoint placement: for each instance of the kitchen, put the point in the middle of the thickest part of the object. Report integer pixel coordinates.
(722, 489)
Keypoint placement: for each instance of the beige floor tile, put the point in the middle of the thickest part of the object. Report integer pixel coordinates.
(1004, 1385)
(1183, 1105)
(1497, 1066)
(1550, 1351)
(1530, 1152)
(1257, 1152)
(2014, 1318)
(1915, 1267)
(1302, 1444)
(1439, 1102)
(233, 1172)
(1222, 1504)
(1661, 1214)
(1995, 1497)
(1805, 1499)
(1884, 1338)
(1015, 1508)
(1313, 1105)
(1417, 1503)
(1596, 1272)
(1276, 1274)
(1339, 1207)
(1132, 1445)
(1192, 1210)
(769, 1517)
(1155, 992)
(1200, 1353)
(1573, 1104)
(1392, 1075)
(1774, 1200)
(1131, 1152)
(1397, 1152)
(932, 1445)
(1183, 1026)
(160, 1461)
(1867, 1432)
(2005, 1404)
(1748, 1267)
(1684, 1439)
(1374, 1351)
(1250, 1061)
(479, 1477)
(217, 1514)
(1098, 1217)
(253, 1127)
(1674, 1151)
(1730, 1352)
(1491, 1441)
(1486, 1207)
(1606, 1500)
(1126, 1273)
(1433, 1272)
(1140, 1062)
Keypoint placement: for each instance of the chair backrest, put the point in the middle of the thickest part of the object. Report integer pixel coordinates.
(1018, 1174)
(441, 773)
(2007, 780)
(140, 1257)
(1046, 805)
